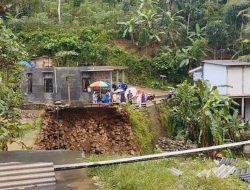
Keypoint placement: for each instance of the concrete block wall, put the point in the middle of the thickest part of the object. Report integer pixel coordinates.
(60, 87)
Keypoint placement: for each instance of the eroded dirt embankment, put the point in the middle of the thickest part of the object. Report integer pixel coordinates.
(92, 130)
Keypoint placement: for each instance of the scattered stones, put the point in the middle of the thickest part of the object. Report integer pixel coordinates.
(167, 144)
(92, 130)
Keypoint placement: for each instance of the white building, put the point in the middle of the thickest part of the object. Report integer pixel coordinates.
(232, 77)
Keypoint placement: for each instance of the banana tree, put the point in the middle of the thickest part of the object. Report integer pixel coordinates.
(148, 32)
(245, 15)
(204, 115)
(129, 28)
(172, 25)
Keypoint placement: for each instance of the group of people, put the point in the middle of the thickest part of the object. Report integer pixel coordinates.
(119, 97)
(101, 97)
(108, 97)
(139, 98)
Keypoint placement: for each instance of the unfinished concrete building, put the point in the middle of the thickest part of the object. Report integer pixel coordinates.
(48, 85)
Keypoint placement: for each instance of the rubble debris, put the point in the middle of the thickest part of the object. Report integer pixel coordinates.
(167, 144)
(92, 130)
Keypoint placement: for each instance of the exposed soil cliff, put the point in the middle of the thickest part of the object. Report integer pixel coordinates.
(93, 130)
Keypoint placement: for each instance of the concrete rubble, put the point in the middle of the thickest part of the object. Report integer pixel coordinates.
(167, 144)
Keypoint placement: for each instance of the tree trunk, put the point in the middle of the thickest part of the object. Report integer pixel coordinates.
(189, 15)
(132, 38)
(59, 11)
(214, 52)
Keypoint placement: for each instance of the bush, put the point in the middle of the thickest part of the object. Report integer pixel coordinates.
(203, 115)
(141, 128)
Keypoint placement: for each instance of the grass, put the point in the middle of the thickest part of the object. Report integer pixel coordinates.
(141, 128)
(154, 175)
(163, 111)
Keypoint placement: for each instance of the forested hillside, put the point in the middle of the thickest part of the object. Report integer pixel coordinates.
(151, 37)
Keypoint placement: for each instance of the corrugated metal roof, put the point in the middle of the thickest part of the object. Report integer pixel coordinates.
(222, 172)
(175, 171)
(195, 69)
(102, 68)
(18, 175)
(227, 62)
(244, 174)
(228, 161)
(82, 68)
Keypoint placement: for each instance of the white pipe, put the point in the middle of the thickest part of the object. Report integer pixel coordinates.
(147, 157)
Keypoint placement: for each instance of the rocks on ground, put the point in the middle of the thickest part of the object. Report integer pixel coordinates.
(167, 144)
(92, 130)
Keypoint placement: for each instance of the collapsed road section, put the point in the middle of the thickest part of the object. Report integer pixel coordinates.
(89, 129)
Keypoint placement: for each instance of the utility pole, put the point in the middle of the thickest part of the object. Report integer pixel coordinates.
(162, 79)
(68, 84)
(59, 11)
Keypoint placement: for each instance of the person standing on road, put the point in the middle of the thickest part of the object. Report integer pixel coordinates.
(129, 97)
(94, 97)
(107, 97)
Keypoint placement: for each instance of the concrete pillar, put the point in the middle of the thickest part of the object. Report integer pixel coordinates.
(246, 150)
(123, 76)
(111, 80)
(243, 108)
(117, 76)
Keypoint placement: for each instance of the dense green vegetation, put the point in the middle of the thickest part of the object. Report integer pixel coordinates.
(156, 175)
(10, 96)
(200, 114)
(151, 37)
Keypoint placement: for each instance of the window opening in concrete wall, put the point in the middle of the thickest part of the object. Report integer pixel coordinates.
(48, 82)
(85, 81)
(85, 84)
(29, 80)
